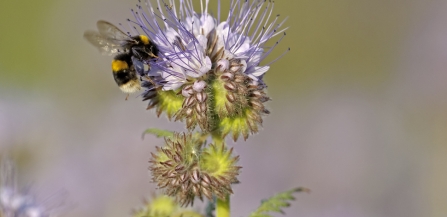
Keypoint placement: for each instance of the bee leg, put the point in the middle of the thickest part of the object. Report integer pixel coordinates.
(150, 80)
(127, 96)
(152, 55)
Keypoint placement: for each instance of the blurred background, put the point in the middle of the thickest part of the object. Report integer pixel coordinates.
(359, 110)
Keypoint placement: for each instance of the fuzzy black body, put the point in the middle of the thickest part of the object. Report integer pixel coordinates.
(122, 68)
(131, 53)
(126, 65)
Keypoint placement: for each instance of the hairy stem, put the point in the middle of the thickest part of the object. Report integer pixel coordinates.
(217, 137)
(222, 206)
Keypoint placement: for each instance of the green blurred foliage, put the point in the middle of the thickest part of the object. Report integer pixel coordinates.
(343, 41)
(21, 51)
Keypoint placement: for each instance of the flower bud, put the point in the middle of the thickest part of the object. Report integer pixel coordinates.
(223, 64)
(199, 85)
(195, 106)
(187, 91)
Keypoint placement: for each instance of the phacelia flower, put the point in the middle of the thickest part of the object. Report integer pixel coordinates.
(13, 202)
(185, 168)
(212, 65)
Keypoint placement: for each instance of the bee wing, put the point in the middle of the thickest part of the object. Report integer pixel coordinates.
(105, 46)
(112, 33)
(138, 65)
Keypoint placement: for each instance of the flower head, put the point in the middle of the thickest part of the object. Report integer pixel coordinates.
(213, 64)
(193, 44)
(13, 202)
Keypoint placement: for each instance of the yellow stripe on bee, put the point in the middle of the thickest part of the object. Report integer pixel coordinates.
(144, 39)
(118, 65)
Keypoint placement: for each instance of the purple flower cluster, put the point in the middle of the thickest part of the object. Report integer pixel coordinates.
(192, 44)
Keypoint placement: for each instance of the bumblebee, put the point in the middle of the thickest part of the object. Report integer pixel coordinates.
(131, 52)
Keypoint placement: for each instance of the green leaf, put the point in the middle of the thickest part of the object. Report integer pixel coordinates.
(276, 203)
(158, 133)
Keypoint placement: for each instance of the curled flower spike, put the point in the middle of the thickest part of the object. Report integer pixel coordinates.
(173, 166)
(239, 102)
(158, 206)
(195, 107)
(163, 206)
(212, 65)
(184, 169)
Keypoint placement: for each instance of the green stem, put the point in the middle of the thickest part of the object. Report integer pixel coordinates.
(223, 207)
